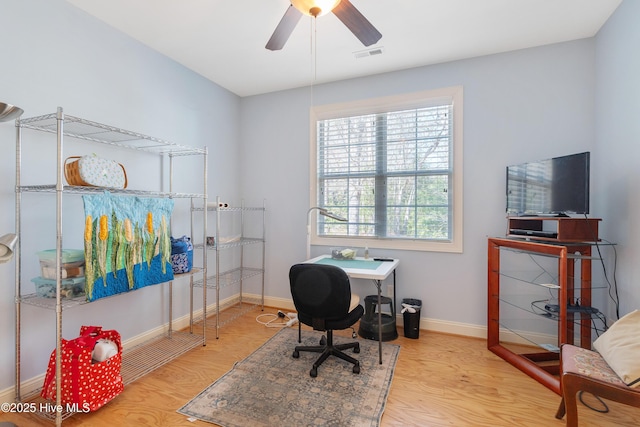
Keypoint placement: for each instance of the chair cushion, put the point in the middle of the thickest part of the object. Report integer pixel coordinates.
(620, 348)
(335, 324)
(588, 363)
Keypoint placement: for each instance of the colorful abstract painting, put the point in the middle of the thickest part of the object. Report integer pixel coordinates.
(127, 243)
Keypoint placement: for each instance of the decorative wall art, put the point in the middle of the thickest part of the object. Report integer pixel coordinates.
(127, 243)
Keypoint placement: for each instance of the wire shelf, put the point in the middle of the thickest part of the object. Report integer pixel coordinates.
(74, 189)
(149, 356)
(144, 358)
(50, 303)
(230, 277)
(230, 244)
(97, 132)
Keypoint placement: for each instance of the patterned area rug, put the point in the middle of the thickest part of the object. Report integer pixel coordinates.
(271, 388)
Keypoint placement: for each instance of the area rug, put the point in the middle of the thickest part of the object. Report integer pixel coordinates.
(271, 388)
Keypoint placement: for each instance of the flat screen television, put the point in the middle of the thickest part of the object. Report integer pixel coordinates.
(557, 186)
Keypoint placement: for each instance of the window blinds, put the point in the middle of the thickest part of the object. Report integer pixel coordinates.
(388, 173)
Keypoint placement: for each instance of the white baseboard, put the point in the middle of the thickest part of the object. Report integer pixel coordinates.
(455, 328)
(444, 326)
(426, 324)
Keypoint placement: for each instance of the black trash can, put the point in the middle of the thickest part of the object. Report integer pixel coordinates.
(411, 320)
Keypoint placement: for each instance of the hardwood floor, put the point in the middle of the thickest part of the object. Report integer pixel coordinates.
(440, 380)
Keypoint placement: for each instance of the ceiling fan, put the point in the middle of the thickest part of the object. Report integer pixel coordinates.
(343, 9)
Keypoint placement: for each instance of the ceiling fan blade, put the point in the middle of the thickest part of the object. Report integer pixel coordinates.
(357, 23)
(284, 29)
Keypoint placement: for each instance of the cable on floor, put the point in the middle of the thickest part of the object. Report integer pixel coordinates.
(279, 320)
(604, 405)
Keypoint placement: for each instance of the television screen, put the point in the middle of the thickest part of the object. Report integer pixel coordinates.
(554, 186)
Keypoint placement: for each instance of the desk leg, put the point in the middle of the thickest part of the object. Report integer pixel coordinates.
(379, 286)
(395, 305)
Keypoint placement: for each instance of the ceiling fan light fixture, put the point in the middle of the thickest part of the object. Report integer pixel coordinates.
(315, 8)
(342, 9)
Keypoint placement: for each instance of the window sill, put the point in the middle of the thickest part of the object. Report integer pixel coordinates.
(395, 244)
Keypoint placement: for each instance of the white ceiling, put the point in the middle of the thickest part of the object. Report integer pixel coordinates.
(223, 40)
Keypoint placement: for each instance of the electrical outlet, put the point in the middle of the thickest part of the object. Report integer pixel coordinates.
(390, 291)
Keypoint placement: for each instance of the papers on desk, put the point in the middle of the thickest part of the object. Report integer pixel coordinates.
(351, 263)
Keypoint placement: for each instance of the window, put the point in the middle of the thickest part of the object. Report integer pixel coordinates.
(392, 167)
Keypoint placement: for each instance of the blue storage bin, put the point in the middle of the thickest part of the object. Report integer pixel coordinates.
(69, 288)
(181, 255)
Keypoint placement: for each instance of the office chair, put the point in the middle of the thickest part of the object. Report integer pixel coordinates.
(322, 295)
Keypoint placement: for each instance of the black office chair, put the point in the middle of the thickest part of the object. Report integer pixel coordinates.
(322, 295)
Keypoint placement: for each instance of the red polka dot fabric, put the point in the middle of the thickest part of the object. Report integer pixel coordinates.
(85, 383)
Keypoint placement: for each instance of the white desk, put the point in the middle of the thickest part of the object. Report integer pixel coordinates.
(361, 268)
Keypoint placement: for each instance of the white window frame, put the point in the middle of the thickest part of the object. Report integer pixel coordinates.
(454, 95)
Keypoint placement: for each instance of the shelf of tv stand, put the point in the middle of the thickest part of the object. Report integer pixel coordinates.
(553, 228)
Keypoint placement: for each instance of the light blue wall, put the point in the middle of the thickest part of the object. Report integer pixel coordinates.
(55, 55)
(519, 106)
(617, 193)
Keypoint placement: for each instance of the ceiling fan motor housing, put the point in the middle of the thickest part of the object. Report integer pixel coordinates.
(315, 8)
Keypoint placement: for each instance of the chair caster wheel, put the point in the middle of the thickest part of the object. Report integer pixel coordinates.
(323, 340)
(356, 349)
(314, 372)
(356, 369)
(296, 354)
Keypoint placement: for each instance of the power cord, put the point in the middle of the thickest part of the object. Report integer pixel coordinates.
(613, 282)
(277, 320)
(604, 409)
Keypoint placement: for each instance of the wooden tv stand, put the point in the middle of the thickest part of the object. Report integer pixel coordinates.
(570, 241)
(554, 228)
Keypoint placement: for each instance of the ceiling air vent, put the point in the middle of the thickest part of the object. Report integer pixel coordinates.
(368, 52)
